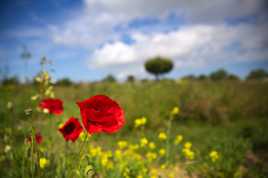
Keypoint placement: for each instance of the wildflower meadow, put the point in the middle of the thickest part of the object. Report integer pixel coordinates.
(141, 129)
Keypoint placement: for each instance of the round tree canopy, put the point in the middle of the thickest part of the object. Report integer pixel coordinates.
(159, 65)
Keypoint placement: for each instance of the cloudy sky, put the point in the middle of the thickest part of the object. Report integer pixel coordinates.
(88, 39)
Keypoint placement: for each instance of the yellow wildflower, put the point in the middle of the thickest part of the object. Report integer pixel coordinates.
(188, 153)
(61, 125)
(143, 142)
(118, 154)
(43, 162)
(126, 173)
(175, 111)
(95, 151)
(162, 152)
(171, 175)
(110, 165)
(162, 136)
(214, 155)
(143, 120)
(140, 122)
(163, 166)
(188, 145)
(104, 159)
(151, 156)
(133, 147)
(152, 145)
(154, 173)
(122, 144)
(178, 139)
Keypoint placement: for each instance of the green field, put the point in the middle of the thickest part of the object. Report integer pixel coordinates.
(227, 116)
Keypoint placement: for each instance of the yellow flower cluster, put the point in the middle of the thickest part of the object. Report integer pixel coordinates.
(187, 151)
(122, 144)
(188, 145)
(151, 156)
(105, 159)
(139, 122)
(154, 173)
(214, 155)
(95, 151)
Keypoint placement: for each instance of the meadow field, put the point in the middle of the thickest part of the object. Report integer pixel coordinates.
(218, 129)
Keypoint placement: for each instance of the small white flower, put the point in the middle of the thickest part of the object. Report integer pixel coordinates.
(7, 148)
(46, 111)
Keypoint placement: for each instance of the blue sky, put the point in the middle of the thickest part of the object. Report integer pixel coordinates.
(88, 39)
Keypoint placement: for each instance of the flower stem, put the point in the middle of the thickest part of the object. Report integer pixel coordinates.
(169, 126)
(32, 152)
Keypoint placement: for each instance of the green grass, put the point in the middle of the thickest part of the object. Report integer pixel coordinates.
(229, 116)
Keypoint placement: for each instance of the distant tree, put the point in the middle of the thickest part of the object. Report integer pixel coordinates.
(130, 78)
(257, 74)
(233, 77)
(109, 78)
(64, 82)
(202, 77)
(220, 74)
(158, 66)
(10, 81)
(189, 77)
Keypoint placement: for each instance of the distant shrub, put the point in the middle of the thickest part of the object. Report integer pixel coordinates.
(158, 66)
(130, 78)
(219, 75)
(109, 78)
(233, 77)
(10, 81)
(189, 77)
(257, 74)
(202, 77)
(64, 82)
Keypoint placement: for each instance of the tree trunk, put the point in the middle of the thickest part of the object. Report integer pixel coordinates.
(156, 77)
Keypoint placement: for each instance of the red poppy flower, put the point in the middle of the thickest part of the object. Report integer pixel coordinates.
(54, 106)
(38, 138)
(101, 114)
(71, 129)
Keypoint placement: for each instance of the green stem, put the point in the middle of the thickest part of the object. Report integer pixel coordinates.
(80, 151)
(169, 126)
(32, 152)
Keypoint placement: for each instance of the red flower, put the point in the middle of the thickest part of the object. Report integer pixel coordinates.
(38, 138)
(54, 106)
(71, 129)
(101, 114)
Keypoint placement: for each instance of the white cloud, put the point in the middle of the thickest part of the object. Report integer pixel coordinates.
(192, 9)
(191, 46)
(95, 23)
